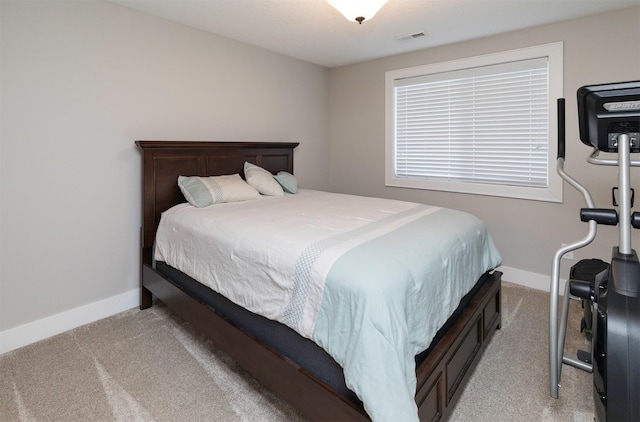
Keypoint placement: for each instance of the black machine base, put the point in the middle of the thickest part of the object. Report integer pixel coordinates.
(616, 341)
(583, 280)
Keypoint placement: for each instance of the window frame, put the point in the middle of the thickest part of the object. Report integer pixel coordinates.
(552, 193)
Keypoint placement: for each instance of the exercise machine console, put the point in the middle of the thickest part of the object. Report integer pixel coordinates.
(609, 121)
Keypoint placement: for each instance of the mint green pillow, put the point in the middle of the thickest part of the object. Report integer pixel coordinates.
(288, 181)
(204, 191)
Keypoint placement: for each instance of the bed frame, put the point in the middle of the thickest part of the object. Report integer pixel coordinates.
(441, 375)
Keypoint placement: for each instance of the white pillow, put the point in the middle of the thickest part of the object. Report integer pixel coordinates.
(204, 191)
(262, 180)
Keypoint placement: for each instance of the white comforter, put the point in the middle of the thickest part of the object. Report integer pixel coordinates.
(370, 280)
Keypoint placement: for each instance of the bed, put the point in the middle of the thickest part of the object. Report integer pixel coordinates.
(289, 364)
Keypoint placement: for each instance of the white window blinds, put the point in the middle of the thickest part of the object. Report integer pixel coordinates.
(488, 124)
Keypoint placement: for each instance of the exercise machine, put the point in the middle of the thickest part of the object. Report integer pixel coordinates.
(609, 121)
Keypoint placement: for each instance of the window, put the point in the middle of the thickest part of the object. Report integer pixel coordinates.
(483, 125)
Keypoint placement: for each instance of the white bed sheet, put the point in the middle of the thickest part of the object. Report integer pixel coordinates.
(321, 264)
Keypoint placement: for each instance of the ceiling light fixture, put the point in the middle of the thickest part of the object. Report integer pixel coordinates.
(358, 10)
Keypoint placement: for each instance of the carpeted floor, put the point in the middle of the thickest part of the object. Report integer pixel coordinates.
(519, 354)
(149, 366)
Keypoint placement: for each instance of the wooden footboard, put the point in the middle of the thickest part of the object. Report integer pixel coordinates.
(312, 397)
(444, 373)
(441, 376)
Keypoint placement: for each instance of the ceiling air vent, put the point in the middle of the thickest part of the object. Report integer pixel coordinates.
(410, 36)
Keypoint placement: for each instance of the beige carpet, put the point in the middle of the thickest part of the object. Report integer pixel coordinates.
(511, 381)
(149, 366)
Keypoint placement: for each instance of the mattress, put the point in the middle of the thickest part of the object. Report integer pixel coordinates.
(369, 280)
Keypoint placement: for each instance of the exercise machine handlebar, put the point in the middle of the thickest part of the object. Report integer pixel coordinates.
(561, 127)
(557, 331)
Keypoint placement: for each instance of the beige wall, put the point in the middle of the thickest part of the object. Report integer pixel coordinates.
(599, 49)
(81, 80)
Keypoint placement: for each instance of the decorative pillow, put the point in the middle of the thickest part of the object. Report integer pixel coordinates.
(204, 191)
(262, 180)
(288, 181)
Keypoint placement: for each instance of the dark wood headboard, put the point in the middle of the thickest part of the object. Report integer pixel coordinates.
(164, 161)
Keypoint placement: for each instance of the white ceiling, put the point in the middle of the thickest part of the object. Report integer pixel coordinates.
(314, 31)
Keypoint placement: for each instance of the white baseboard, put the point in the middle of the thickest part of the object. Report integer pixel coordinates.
(41, 329)
(529, 279)
(32, 332)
